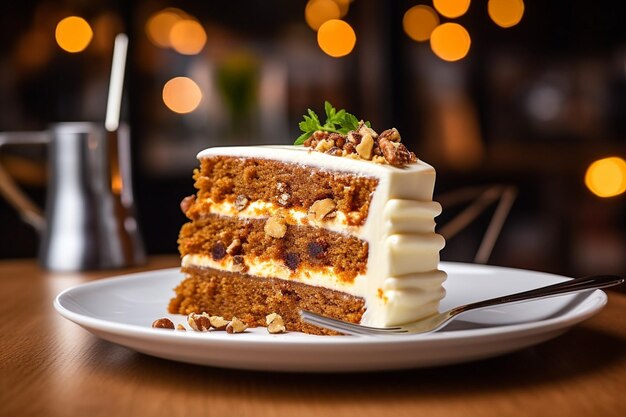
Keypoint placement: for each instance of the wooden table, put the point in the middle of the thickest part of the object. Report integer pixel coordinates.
(51, 367)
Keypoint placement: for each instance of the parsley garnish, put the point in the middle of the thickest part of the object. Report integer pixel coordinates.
(336, 122)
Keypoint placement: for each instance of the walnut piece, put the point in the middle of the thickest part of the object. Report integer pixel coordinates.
(364, 149)
(396, 153)
(236, 326)
(275, 323)
(163, 323)
(284, 198)
(239, 264)
(241, 202)
(199, 322)
(390, 134)
(218, 322)
(234, 248)
(181, 327)
(275, 226)
(321, 209)
(187, 202)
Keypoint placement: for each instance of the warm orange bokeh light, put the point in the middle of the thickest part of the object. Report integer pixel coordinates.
(187, 37)
(419, 21)
(159, 26)
(344, 6)
(317, 12)
(450, 41)
(336, 38)
(606, 177)
(181, 95)
(451, 8)
(73, 34)
(506, 13)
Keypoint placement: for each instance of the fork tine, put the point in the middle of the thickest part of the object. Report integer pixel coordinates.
(346, 327)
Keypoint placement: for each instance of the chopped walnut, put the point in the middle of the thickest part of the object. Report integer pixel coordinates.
(324, 145)
(321, 209)
(275, 323)
(396, 153)
(181, 327)
(241, 202)
(275, 226)
(284, 199)
(236, 326)
(239, 264)
(187, 202)
(163, 323)
(390, 134)
(234, 248)
(199, 322)
(218, 322)
(364, 149)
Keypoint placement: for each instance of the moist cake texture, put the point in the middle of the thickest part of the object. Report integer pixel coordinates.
(284, 228)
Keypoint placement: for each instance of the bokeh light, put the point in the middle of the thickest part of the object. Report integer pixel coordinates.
(606, 177)
(344, 6)
(187, 37)
(336, 38)
(160, 24)
(419, 22)
(181, 95)
(317, 12)
(451, 8)
(506, 13)
(73, 34)
(450, 41)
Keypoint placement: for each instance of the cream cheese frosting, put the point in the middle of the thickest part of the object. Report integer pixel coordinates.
(402, 282)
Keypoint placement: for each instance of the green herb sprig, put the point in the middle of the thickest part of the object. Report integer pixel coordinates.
(336, 122)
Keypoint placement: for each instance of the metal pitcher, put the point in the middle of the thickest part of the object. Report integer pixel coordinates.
(89, 220)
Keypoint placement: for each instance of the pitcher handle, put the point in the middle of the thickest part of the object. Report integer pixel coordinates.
(27, 209)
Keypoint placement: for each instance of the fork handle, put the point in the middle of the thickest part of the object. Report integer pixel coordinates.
(569, 286)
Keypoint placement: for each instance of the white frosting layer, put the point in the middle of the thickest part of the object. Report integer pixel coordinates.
(402, 282)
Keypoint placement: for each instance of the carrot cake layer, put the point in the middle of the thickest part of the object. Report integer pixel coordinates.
(231, 243)
(249, 298)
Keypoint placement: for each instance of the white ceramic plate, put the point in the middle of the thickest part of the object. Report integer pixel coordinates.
(122, 309)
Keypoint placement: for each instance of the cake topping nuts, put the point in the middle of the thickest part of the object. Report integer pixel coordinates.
(218, 322)
(275, 226)
(275, 323)
(181, 327)
(163, 323)
(321, 209)
(199, 322)
(236, 326)
(342, 134)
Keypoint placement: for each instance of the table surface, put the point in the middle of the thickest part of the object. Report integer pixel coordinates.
(50, 366)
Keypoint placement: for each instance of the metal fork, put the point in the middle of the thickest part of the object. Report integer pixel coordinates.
(437, 321)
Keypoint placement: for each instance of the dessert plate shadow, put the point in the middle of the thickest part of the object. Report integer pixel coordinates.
(121, 310)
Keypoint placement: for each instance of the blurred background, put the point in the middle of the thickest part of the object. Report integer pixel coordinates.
(529, 95)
